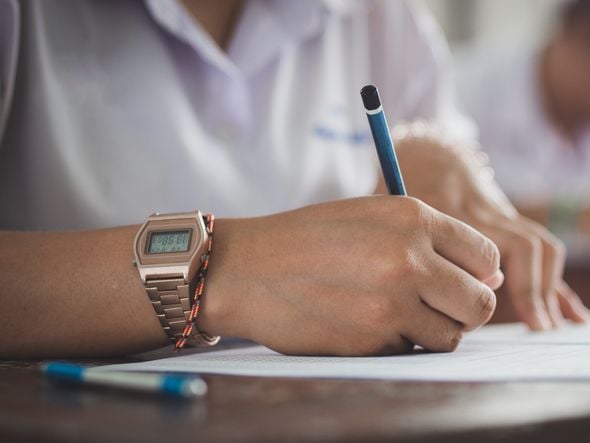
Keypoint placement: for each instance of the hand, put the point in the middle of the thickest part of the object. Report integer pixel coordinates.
(365, 276)
(455, 179)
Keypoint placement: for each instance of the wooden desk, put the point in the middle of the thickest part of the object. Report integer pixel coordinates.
(240, 409)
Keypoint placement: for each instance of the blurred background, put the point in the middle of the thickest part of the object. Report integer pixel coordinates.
(494, 23)
(522, 73)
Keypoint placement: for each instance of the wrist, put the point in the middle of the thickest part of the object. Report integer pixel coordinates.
(217, 314)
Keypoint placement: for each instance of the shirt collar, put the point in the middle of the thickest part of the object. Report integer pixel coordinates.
(173, 17)
(263, 29)
(267, 26)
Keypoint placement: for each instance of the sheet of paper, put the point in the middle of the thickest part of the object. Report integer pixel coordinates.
(494, 353)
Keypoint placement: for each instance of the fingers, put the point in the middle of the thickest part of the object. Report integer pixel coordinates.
(467, 248)
(534, 261)
(435, 332)
(522, 255)
(457, 294)
(570, 304)
(553, 265)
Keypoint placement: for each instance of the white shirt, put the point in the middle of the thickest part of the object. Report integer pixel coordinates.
(120, 109)
(534, 163)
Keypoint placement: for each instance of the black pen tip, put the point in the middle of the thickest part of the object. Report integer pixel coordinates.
(370, 97)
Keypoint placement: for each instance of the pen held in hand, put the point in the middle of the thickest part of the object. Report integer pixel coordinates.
(171, 385)
(383, 141)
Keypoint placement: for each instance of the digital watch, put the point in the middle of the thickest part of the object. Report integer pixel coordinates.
(168, 254)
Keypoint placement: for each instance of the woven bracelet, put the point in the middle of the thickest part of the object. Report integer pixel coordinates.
(191, 326)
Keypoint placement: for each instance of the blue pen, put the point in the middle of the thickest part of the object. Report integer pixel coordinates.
(138, 381)
(383, 142)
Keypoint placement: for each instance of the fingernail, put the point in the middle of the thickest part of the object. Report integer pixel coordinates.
(584, 311)
(495, 281)
(555, 316)
(585, 315)
(544, 321)
(557, 322)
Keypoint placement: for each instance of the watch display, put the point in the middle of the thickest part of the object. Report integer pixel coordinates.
(162, 242)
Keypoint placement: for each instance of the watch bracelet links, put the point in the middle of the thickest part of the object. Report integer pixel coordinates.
(171, 301)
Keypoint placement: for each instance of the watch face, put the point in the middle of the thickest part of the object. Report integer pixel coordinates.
(165, 242)
(170, 245)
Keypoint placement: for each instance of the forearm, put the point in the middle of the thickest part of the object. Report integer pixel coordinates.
(73, 294)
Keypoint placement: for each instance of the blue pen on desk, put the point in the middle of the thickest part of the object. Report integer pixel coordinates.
(138, 381)
(383, 141)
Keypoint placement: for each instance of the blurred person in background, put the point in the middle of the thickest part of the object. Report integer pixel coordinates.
(532, 106)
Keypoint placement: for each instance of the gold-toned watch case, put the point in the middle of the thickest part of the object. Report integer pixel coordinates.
(173, 264)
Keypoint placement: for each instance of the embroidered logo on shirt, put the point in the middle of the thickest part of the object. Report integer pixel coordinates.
(335, 128)
(353, 138)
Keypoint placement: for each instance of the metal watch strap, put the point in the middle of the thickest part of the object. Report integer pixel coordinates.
(171, 301)
(165, 279)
